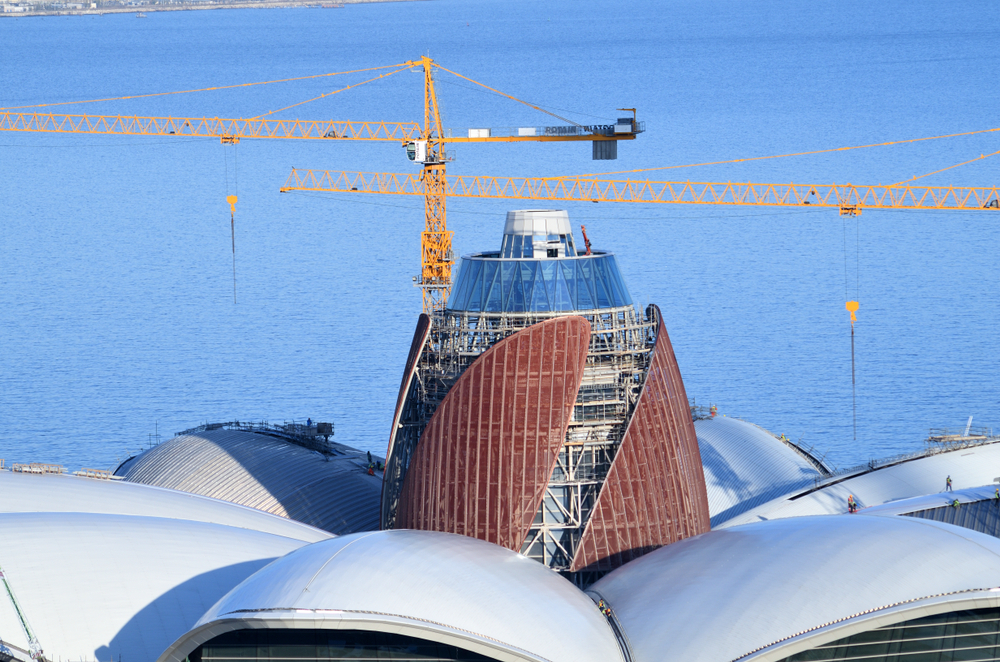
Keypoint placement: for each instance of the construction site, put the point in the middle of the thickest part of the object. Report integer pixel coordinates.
(541, 424)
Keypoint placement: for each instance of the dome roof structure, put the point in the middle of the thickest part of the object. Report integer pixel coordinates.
(104, 587)
(771, 589)
(433, 586)
(746, 466)
(968, 464)
(330, 491)
(60, 493)
(106, 569)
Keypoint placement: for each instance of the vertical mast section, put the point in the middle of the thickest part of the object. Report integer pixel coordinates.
(435, 242)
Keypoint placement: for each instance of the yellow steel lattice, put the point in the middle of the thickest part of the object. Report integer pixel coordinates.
(846, 197)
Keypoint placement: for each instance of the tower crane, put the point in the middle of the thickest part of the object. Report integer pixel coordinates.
(425, 145)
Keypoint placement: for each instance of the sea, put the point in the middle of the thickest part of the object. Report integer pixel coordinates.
(118, 323)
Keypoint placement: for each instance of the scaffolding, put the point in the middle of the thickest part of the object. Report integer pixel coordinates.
(618, 358)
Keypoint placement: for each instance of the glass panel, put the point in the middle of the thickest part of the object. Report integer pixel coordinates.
(492, 288)
(549, 278)
(962, 636)
(462, 283)
(516, 301)
(506, 245)
(601, 285)
(517, 250)
(508, 270)
(562, 299)
(529, 246)
(474, 295)
(539, 298)
(569, 277)
(327, 646)
(584, 289)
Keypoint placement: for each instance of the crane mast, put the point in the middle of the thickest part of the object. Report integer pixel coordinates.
(436, 258)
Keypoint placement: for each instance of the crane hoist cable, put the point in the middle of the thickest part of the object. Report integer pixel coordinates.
(205, 89)
(231, 199)
(978, 158)
(852, 306)
(328, 94)
(781, 156)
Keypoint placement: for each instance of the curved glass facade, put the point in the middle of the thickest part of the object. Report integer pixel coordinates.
(488, 283)
(326, 646)
(958, 636)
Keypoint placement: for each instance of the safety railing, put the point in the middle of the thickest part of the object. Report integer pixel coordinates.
(100, 474)
(38, 468)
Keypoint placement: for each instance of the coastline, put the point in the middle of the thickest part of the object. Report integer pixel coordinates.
(194, 6)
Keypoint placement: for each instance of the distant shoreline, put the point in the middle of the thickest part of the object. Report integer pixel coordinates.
(194, 6)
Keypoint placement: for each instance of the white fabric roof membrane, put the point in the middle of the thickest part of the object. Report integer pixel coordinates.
(334, 493)
(119, 587)
(34, 493)
(727, 593)
(745, 466)
(968, 467)
(929, 501)
(435, 586)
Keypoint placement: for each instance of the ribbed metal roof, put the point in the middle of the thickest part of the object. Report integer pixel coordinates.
(334, 493)
(968, 466)
(436, 586)
(745, 466)
(763, 587)
(109, 587)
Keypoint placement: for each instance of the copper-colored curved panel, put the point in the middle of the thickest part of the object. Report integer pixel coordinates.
(655, 490)
(401, 438)
(486, 455)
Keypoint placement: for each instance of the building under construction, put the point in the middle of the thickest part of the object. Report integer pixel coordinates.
(540, 410)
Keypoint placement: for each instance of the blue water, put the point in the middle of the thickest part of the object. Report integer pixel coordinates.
(116, 306)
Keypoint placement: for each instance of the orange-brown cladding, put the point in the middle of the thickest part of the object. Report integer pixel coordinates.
(655, 491)
(484, 460)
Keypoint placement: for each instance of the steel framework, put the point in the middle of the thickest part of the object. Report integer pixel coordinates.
(618, 360)
(849, 198)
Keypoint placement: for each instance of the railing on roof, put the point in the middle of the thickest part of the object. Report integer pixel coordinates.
(100, 474)
(947, 435)
(936, 449)
(38, 468)
(314, 437)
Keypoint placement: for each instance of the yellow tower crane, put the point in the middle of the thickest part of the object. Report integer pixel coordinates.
(425, 145)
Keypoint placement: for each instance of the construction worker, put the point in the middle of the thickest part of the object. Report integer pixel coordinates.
(712, 411)
(955, 503)
(852, 506)
(371, 469)
(996, 497)
(947, 484)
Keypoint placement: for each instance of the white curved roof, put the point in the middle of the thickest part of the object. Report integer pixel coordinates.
(968, 467)
(333, 492)
(745, 466)
(39, 493)
(727, 593)
(929, 501)
(108, 587)
(435, 586)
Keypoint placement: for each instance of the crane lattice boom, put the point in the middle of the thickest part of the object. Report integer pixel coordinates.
(846, 197)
